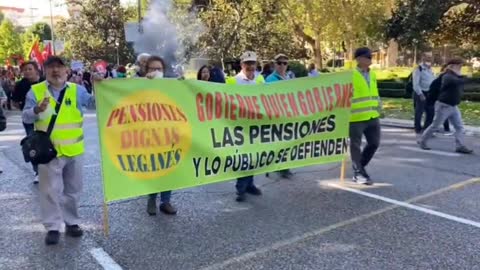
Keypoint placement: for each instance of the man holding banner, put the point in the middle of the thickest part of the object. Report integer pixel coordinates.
(364, 119)
(247, 76)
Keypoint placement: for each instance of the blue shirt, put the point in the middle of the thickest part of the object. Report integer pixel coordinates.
(366, 75)
(275, 77)
(83, 99)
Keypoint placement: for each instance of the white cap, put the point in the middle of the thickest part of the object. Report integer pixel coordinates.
(248, 56)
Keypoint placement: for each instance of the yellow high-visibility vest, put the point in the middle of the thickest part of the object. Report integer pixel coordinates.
(67, 134)
(233, 80)
(365, 100)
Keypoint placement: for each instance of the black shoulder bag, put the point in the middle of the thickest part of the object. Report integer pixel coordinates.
(37, 147)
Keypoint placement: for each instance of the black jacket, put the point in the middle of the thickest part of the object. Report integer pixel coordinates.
(21, 89)
(451, 92)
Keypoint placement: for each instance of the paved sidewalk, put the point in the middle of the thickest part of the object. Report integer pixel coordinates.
(470, 130)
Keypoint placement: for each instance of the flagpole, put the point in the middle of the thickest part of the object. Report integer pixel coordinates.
(51, 28)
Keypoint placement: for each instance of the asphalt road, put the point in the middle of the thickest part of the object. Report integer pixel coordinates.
(422, 213)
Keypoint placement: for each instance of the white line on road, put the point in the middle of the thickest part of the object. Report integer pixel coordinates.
(104, 259)
(441, 153)
(409, 205)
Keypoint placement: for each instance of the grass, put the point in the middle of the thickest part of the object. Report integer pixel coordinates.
(403, 109)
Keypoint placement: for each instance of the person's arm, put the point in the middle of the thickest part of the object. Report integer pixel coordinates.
(85, 98)
(416, 81)
(30, 114)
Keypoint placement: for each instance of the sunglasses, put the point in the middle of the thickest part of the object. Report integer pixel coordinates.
(282, 63)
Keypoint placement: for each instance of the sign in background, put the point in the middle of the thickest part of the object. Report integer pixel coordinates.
(168, 134)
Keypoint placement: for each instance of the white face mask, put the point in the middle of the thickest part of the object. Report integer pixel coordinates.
(158, 74)
(429, 64)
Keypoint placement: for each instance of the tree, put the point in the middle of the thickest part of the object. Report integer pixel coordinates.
(41, 30)
(96, 31)
(10, 43)
(235, 26)
(320, 22)
(460, 27)
(2, 16)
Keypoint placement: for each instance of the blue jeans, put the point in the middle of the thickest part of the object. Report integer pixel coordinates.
(164, 196)
(243, 183)
(29, 129)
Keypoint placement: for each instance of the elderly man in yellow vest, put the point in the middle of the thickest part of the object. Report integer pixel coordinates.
(247, 76)
(60, 179)
(364, 119)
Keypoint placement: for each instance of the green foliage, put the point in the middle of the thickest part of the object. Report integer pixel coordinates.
(298, 69)
(10, 42)
(94, 34)
(41, 30)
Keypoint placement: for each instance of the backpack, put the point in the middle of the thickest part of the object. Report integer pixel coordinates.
(409, 86)
(434, 90)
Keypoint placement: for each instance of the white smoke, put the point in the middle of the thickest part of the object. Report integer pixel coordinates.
(167, 31)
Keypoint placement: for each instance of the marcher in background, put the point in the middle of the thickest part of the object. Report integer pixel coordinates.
(422, 78)
(247, 76)
(312, 70)
(31, 76)
(446, 107)
(87, 81)
(364, 118)
(155, 69)
(142, 64)
(432, 97)
(60, 179)
(8, 85)
(217, 75)
(121, 72)
(280, 74)
(266, 70)
(3, 123)
(204, 73)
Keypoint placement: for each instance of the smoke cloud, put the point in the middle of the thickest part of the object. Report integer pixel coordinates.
(168, 32)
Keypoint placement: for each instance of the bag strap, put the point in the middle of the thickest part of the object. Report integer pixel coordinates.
(57, 109)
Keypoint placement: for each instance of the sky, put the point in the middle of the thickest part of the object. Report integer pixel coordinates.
(42, 7)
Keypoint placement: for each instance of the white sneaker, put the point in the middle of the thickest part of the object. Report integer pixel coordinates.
(35, 180)
(360, 179)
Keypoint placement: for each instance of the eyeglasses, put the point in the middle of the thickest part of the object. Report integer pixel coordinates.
(282, 63)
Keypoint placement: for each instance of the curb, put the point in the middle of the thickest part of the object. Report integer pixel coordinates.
(469, 131)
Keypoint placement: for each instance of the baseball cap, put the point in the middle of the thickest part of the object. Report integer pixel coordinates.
(54, 60)
(280, 56)
(363, 52)
(248, 56)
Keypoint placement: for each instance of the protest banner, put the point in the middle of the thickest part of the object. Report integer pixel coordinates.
(168, 134)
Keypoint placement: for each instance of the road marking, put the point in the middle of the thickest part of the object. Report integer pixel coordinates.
(287, 242)
(436, 152)
(104, 259)
(311, 234)
(409, 205)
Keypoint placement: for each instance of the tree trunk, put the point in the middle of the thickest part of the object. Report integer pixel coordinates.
(317, 51)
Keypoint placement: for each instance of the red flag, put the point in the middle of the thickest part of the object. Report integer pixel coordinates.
(35, 54)
(47, 51)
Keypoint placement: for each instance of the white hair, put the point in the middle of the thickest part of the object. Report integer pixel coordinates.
(142, 56)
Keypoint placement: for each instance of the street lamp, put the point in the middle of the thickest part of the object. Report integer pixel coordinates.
(117, 44)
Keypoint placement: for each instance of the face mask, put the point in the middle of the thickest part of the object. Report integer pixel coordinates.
(158, 74)
(428, 64)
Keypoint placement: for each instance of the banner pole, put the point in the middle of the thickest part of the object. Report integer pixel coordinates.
(342, 171)
(106, 228)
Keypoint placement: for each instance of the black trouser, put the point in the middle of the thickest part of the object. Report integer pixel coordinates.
(371, 130)
(420, 108)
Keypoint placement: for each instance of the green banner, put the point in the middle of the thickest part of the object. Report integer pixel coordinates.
(167, 134)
